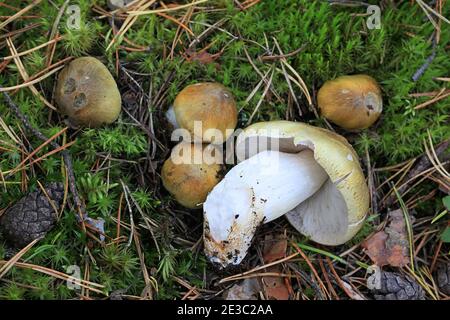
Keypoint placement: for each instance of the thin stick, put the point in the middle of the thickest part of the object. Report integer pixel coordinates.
(37, 150)
(8, 265)
(266, 89)
(128, 23)
(180, 24)
(31, 50)
(433, 100)
(409, 228)
(140, 13)
(232, 278)
(283, 57)
(436, 254)
(338, 279)
(327, 279)
(314, 271)
(48, 154)
(60, 275)
(65, 154)
(25, 75)
(55, 29)
(27, 84)
(19, 31)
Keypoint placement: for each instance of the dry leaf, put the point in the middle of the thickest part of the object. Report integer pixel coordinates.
(274, 248)
(390, 246)
(376, 248)
(275, 288)
(202, 56)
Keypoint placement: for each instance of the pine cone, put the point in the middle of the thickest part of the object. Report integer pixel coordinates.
(32, 216)
(443, 277)
(398, 287)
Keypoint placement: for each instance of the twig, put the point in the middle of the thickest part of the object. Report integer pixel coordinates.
(147, 220)
(22, 163)
(409, 228)
(327, 279)
(338, 279)
(348, 3)
(128, 23)
(207, 32)
(434, 159)
(314, 271)
(261, 74)
(55, 30)
(8, 265)
(266, 89)
(232, 278)
(21, 12)
(31, 50)
(19, 31)
(59, 275)
(29, 83)
(281, 56)
(145, 12)
(439, 96)
(65, 154)
(24, 74)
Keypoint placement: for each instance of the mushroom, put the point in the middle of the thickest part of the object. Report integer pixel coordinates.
(309, 174)
(207, 110)
(191, 172)
(352, 102)
(87, 93)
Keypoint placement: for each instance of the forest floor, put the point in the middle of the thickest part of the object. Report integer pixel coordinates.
(153, 247)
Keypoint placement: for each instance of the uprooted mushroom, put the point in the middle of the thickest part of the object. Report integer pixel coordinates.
(309, 174)
(208, 104)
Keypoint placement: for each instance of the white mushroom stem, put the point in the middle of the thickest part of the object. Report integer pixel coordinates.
(257, 190)
(170, 116)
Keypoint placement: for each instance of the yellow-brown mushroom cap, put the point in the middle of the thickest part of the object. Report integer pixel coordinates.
(346, 187)
(87, 93)
(352, 102)
(210, 104)
(191, 172)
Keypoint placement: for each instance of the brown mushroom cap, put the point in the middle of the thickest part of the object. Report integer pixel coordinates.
(87, 93)
(191, 181)
(208, 102)
(352, 102)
